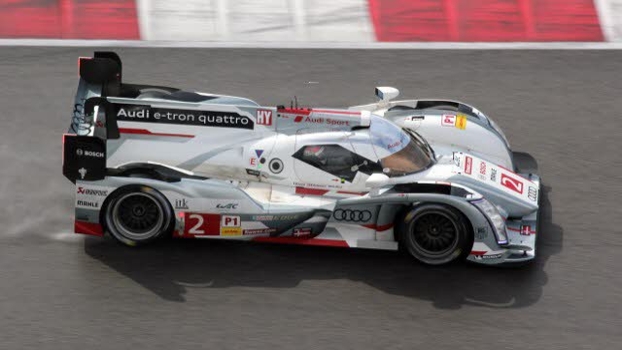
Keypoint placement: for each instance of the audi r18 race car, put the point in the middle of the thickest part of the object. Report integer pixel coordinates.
(433, 177)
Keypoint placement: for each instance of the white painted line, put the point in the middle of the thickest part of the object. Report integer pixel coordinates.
(251, 20)
(610, 16)
(316, 45)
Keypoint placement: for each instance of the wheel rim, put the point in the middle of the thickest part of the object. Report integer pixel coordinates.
(137, 216)
(435, 234)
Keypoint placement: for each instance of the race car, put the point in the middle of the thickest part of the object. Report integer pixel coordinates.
(435, 178)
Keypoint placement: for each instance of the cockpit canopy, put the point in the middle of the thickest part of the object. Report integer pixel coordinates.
(400, 152)
(382, 148)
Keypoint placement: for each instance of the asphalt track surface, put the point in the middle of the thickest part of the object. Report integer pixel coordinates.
(64, 291)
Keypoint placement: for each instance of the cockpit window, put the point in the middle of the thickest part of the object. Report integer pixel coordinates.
(336, 160)
(400, 152)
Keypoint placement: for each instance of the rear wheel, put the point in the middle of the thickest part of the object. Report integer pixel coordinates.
(137, 215)
(435, 234)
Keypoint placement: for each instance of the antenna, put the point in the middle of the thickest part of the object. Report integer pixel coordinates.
(296, 99)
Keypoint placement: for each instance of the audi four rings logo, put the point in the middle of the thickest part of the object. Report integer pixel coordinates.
(352, 215)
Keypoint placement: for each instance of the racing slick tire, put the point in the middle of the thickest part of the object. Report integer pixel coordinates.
(136, 215)
(435, 234)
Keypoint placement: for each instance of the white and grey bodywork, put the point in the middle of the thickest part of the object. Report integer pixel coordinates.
(232, 169)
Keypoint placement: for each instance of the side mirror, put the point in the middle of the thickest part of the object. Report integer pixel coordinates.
(375, 182)
(386, 93)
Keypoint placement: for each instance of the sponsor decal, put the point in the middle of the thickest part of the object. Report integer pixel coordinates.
(461, 122)
(532, 193)
(285, 217)
(351, 215)
(302, 184)
(321, 120)
(493, 174)
(264, 117)
(253, 172)
(92, 192)
(82, 203)
(448, 120)
(302, 232)
(394, 144)
(276, 165)
(511, 183)
(258, 152)
(230, 225)
(82, 171)
(258, 231)
(147, 114)
(487, 257)
(457, 160)
(230, 206)
(181, 204)
(525, 230)
(196, 224)
(482, 171)
(230, 231)
(80, 125)
(86, 153)
(468, 164)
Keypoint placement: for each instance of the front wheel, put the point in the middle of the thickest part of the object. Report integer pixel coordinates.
(137, 215)
(435, 234)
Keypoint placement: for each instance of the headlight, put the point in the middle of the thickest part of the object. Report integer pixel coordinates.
(494, 217)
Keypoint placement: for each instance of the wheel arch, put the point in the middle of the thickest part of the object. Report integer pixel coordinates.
(127, 188)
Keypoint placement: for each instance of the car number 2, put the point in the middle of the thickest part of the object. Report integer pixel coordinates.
(202, 224)
(512, 184)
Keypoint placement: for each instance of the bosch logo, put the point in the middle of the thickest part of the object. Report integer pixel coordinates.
(352, 215)
(80, 152)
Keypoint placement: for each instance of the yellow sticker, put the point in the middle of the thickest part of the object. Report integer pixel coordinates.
(230, 231)
(461, 122)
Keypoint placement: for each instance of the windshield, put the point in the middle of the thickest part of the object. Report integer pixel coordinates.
(400, 152)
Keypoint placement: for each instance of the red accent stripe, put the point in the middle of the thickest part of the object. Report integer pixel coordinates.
(303, 111)
(69, 19)
(311, 191)
(294, 240)
(88, 228)
(478, 252)
(308, 111)
(379, 227)
(147, 132)
(485, 20)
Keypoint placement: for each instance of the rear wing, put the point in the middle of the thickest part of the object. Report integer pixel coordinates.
(84, 145)
(100, 76)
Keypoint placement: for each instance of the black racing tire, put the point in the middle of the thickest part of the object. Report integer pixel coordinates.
(136, 215)
(435, 234)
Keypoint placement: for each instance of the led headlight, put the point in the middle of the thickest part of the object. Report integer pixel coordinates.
(494, 217)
